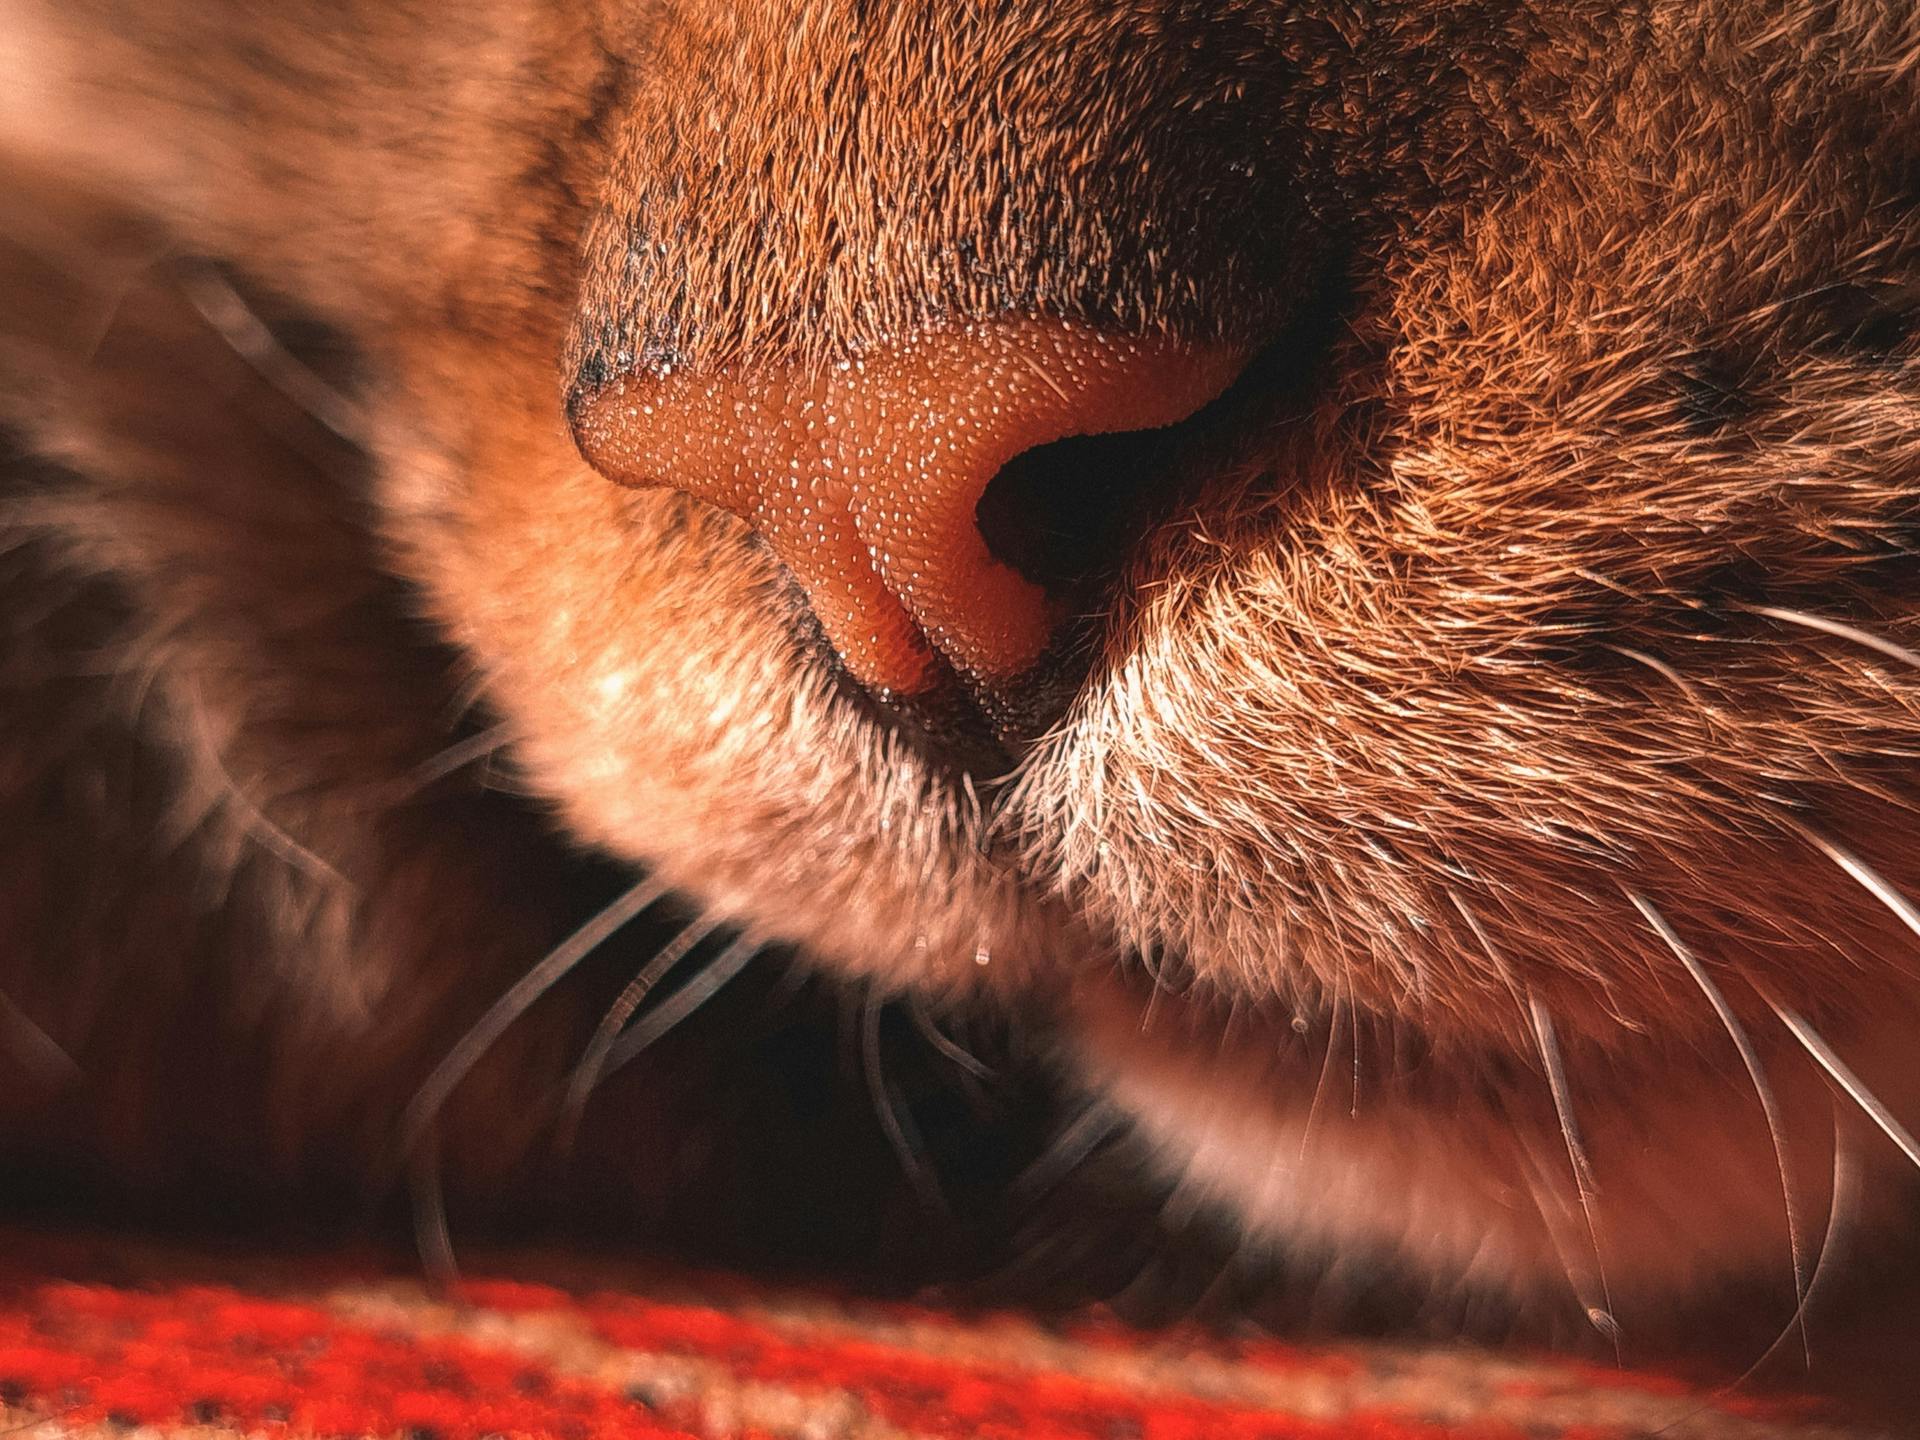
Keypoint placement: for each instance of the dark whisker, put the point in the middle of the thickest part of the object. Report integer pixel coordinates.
(712, 979)
(886, 1108)
(423, 1111)
(1077, 1141)
(946, 1044)
(593, 1065)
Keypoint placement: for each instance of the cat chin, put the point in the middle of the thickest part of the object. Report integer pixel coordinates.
(1453, 1173)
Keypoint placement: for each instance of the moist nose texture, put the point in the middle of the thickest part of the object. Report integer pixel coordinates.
(865, 475)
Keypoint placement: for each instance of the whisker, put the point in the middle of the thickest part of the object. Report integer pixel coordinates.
(432, 1237)
(1666, 672)
(593, 1066)
(1209, 1302)
(1843, 1076)
(1840, 630)
(1548, 1200)
(1493, 952)
(1868, 878)
(1353, 1095)
(1844, 1204)
(1756, 1072)
(419, 1137)
(428, 1101)
(946, 1044)
(712, 979)
(35, 1049)
(461, 754)
(106, 281)
(905, 1144)
(227, 312)
(1077, 1140)
(1548, 1044)
(265, 831)
(1326, 1070)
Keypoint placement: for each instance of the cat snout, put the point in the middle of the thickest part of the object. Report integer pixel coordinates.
(897, 285)
(938, 498)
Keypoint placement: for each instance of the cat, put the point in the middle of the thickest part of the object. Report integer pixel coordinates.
(1349, 566)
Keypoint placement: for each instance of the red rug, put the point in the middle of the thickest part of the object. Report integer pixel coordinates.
(103, 1337)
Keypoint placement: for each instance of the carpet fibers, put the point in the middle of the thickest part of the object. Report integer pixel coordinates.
(105, 1337)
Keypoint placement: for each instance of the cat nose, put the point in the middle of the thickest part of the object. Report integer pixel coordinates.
(865, 475)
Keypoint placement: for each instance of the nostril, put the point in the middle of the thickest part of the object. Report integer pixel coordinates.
(871, 478)
(1058, 513)
(1061, 514)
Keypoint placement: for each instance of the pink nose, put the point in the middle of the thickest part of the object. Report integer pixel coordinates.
(864, 477)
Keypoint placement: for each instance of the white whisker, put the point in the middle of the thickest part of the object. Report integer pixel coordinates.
(1493, 952)
(1842, 631)
(34, 1048)
(431, 1235)
(263, 829)
(1541, 1190)
(1326, 1070)
(1869, 879)
(1843, 1076)
(1843, 1205)
(249, 337)
(462, 753)
(1756, 1072)
(1550, 1057)
(419, 1134)
(1666, 672)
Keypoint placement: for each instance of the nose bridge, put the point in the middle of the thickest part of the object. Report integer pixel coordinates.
(802, 182)
(865, 475)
